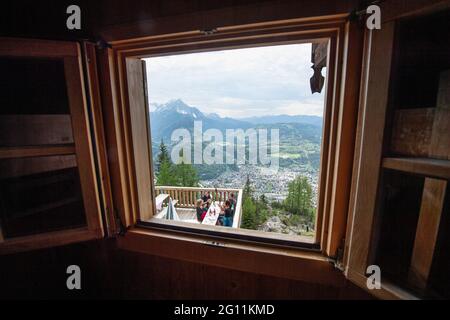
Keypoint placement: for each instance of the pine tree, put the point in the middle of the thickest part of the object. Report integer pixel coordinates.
(165, 176)
(249, 214)
(300, 198)
(248, 191)
(162, 156)
(185, 174)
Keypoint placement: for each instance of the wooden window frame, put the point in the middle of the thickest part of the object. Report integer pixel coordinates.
(70, 54)
(340, 111)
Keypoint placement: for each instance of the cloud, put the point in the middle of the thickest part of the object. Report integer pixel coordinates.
(238, 82)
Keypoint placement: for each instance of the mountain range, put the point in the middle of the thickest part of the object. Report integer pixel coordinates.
(177, 114)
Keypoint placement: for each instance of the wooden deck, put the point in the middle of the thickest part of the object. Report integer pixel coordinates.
(186, 198)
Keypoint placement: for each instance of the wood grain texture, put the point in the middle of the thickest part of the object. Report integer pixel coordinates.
(434, 190)
(345, 137)
(27, 152)
(329, 139)
(27, 130)
(411, 132)
(293, 264)
(11, 168)
(422, 166)
(137, 108)
(427, 231)
(223, 17)
(46, 240)
(394, 9)
(83, 142)
(37, 48)
(440, 138)
(113, 134)
(367, 163)
(388, 290)
(111, 273)
(99, 135)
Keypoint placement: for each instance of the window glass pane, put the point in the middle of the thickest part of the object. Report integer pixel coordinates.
(242, 129)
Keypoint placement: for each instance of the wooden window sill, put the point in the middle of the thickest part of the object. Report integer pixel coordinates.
(388, 290)
(295, 264)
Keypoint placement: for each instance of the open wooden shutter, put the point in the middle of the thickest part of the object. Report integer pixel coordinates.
(399, 204)
(48, 186)
(140, 136)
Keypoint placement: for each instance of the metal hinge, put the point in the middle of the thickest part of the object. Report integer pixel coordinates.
(339, 259)
(209, 32)
(122, 229)
(215, 244)
(102, 44)
(360, 13)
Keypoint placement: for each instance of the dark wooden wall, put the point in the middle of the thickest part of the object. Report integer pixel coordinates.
(112, 19)
(108, 272)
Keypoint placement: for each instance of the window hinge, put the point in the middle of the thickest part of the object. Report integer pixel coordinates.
(361, 12)
(339, 259)
(119, 224)
(208, 32)
(215, 244)
(102, 44)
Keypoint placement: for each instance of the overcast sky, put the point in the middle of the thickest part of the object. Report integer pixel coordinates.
(238, 83)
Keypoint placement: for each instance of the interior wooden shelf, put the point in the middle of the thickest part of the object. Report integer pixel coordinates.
(38, 151)
(423, 166)
(47, 206)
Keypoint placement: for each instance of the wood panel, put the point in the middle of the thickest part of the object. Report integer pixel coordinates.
(83, 142)
(345, 137)
(322, 215)
(114, 131)
(28, 166)
(425, 132)
(388, 290)
(373, 104)
(411, 132)
(99, 133)
(394, 9)
(422, 166)
(427, 231)
(37, 48)
(139, 129)
(440, 141)
(434, 191)
(111, 273)
(45, 240)
(224, 17)
(25, 130)
(292, 264)
(26, 152)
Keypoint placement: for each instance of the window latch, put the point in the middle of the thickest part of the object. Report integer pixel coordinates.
(215, 244)
(208, 32)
